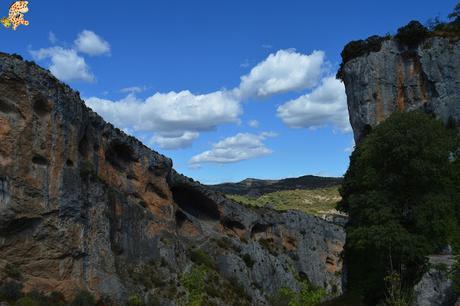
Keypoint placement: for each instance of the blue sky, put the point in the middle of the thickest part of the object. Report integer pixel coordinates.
(227, 89)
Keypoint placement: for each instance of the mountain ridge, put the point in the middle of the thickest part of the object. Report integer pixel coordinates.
(256, 187)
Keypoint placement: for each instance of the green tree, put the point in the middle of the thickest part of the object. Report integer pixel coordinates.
(401, 193)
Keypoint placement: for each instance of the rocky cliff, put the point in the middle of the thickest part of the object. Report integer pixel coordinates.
(383, 76)
(83, 205)
(392, 77)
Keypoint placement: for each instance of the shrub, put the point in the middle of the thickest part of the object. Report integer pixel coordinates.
(396, 294)
(359, 48)
(401, 193)
(455, 274)
(87, 170)
(200, 257)
(268, 245)
(35, 298)
(194, 282)
(135, 300)
(412, 34)
(308, 295)
(83, 298)
(12, 271)
(283, 297)
(225, 243)
(149, 276)
(28, 301)
(10, 291)
(362, 47)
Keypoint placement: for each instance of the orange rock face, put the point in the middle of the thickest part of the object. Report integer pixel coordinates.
(83, 205)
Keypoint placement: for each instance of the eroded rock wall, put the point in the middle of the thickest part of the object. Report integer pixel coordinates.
(398, 78)
(83, 205)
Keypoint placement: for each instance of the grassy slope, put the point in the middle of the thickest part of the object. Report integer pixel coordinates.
(315, 201)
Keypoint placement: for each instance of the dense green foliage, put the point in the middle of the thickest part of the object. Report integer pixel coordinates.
(194, 282)
(10, 291)
(200, 257)
(308, 295)
(401, 193)
(359, 48)
(412, 34)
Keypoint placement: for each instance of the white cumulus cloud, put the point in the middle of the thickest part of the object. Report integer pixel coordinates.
(242, 146)
(175, 141)
(176, 117)
(66, 64)
(90, 43)
(283, 71)
(325, 105)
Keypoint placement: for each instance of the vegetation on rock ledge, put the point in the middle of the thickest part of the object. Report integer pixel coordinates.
(410, 35)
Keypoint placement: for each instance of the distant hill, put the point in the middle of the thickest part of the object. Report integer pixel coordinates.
(254, 187)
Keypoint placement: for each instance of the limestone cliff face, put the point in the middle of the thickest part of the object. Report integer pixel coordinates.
(398, 78)
(83, 205)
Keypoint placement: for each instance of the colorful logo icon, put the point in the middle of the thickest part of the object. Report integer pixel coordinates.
(16, 15)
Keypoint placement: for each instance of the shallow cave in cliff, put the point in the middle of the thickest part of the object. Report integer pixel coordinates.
(5, 107)
(233, 224)
(259, 228)
(41, 106)
(40, 160)
(181, 218)
(195, 203)
(119, 154)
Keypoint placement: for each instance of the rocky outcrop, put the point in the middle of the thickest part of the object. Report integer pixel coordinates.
(436, 286)
(83, 205)
(398, 78)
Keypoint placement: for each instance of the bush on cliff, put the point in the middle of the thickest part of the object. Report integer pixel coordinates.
(412, 34)
(402, 194)
(308, 295)
(83, 298)
(359, 48)
(10, 291)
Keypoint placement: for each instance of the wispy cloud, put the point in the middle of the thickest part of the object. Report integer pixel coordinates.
(253, 123)
(245, 64)
(52, 38)
(133, 89)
